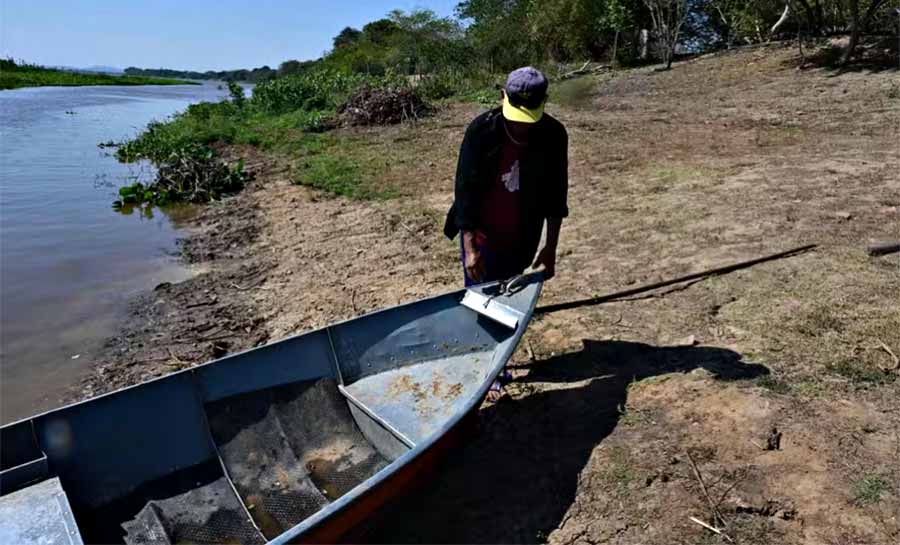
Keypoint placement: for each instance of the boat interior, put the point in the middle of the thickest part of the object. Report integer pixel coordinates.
(247, 447)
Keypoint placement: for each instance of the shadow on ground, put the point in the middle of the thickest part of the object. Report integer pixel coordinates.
(516, 480)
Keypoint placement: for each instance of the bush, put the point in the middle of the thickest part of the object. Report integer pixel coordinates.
(442, 85)
(236, 92)
(191, 174)
(202, 123)
(319, 90)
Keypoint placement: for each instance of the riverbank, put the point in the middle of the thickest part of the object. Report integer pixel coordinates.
(721, 159)
(14, 76)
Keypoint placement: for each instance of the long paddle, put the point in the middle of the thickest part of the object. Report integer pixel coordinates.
(650, 287)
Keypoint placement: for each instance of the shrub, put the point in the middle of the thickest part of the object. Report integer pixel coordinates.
(318, 90)
(236, 92)
(202, 123)
(192, 174)
(442, 85)
(323, 89)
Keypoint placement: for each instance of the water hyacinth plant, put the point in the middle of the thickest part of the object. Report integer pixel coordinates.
(193, 174)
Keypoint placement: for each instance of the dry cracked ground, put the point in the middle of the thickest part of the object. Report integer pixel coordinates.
(762, 402)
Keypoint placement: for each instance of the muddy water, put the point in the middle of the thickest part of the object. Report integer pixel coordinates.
(68, 262)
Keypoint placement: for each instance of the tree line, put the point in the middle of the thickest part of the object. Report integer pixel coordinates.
(494, 36)
(252, 75)
(497, 35)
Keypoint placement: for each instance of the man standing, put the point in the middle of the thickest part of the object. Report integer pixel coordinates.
(511, 178)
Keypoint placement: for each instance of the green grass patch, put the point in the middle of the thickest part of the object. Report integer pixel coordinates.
(574, 93)
(773, 384)
(632, 417)
(340, 166)
(860, 374)
(14, 76)
(808, 389)
(618, 471)
(870, 489)
(207, 122)
(817, 321)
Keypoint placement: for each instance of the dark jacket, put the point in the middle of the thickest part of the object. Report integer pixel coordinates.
(543, 182)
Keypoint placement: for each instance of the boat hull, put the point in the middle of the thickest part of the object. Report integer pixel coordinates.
(303, 440)
(352, 524)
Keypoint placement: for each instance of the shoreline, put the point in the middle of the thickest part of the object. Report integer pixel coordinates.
(260, 276)
(173, 326)
(278, 259)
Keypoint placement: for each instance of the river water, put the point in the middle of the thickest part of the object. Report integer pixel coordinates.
(68, 261)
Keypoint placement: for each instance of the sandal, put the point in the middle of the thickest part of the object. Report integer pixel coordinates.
(497, 393)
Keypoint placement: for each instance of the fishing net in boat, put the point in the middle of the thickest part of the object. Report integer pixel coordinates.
(199, 511)
(290, 450)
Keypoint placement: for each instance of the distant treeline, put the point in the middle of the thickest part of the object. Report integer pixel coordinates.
(255, 75)
(21, 74)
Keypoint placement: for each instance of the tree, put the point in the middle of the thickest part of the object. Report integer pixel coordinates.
(346, 37)
(427, 42)
(857, 25)
(295, 67)
(499, 32)
(380, 32)
(724, 17)
(567, 29)
(616, 17)
(668, 17)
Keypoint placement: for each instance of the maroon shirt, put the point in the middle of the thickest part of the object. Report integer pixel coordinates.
(501, 207)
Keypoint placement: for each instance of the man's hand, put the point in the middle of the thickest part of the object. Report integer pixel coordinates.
(474, 260)
(474, 265)
(547, 258)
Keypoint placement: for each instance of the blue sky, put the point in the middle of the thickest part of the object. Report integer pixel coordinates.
(184, 34)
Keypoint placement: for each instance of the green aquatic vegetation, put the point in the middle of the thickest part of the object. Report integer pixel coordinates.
(194, 174)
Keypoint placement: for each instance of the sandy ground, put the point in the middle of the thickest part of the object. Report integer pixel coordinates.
(719, 160)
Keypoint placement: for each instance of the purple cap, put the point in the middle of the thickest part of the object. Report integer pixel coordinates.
(526, 86)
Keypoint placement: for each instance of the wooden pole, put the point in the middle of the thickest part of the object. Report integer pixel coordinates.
(704, 274)
(883, 249)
